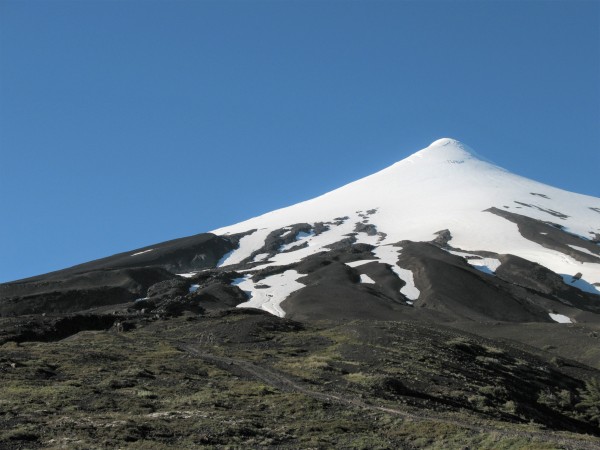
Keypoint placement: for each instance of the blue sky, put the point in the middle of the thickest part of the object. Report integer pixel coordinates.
(125, 123)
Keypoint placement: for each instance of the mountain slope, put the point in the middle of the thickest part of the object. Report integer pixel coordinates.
(446, 186)
(442, 302)
(443, 194)
(442, 235)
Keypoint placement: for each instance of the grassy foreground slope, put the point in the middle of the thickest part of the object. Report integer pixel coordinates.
(244, 379)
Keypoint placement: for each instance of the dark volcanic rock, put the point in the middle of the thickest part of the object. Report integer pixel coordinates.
(64, 301)
(368, 228)
(528, 274)
(219, 296)
(40, 328)
(551, 237)
(177, 256)
(521, 272)
(442, 239)
(80, 291)
(279, 237)
(334, 291)
(116, 279)
(169, 288)
(450, 285)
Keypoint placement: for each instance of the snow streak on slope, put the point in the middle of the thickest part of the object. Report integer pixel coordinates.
(245, 248)
(445, 186)
(142, 252)
(584, 250)
(270, 291)
(389, 255)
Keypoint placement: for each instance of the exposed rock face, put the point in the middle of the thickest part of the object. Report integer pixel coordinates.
(64, 301)
(116, 279)
(278, 238)
(182, 255)
(443, 238)
(219, 296)
(168, 288)
(530, 275)
(78, 292)
(552, 236)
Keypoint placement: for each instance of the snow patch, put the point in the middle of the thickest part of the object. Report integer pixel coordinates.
(366, 279)
(301, 237)
(224, 258)
(194, 287)
(389, 255)
(274, 290)
(246, 246)
(560, 318)
(261, 257)
(364, 238)
(360, 262)
(409, 290)
(186, 275)
(485, 265)
(142, 252)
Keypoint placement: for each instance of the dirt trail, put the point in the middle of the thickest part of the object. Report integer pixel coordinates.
(285, 383)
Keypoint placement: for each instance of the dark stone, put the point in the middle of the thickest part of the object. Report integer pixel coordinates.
(550, 236)
(368, 228)
(442, 239)
(169, 289)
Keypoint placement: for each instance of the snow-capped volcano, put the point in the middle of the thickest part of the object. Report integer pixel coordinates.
(442, 234)
(445, 186)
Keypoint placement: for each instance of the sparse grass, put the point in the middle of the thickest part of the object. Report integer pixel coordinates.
(361, 378)
(139, 391)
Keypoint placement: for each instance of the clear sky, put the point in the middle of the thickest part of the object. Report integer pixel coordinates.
(126, 123)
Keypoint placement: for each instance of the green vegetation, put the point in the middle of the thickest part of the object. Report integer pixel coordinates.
(590, 400)
(247, 380)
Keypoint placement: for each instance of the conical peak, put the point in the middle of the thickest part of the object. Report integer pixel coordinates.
(445, 150)
(449, 142)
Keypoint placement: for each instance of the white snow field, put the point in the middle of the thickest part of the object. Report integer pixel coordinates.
(444, 186)
(269, 292)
